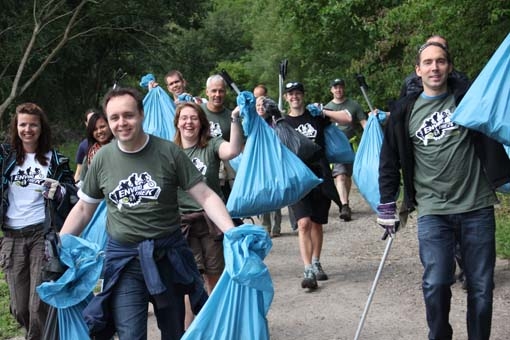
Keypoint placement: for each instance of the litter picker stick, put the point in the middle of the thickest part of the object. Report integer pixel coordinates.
(374, 286)
(281, 78)
(224, 74)
(363, 86)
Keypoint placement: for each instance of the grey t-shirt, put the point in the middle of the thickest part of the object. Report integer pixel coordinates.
(356, 111)
(448, 176)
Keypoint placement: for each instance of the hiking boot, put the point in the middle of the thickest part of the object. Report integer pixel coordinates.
(345, 213)
(309, 280)
(320, 275)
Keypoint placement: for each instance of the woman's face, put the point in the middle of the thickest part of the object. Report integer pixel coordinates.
(102, 133)
(259, 105)
(29, 131)
(189, 124)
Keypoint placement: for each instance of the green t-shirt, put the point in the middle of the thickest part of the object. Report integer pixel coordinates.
(140, 188)
(448, 175)
(219, 122)
(357, 115)
(207, 162)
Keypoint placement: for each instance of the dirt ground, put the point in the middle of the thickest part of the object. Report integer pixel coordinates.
(351, 255)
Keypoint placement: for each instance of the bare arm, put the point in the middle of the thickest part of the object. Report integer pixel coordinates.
(212, 204)
(77, 173)
(229, 150)
(342, 117)
(78, 218)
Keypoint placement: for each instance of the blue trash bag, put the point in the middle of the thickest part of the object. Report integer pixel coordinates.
(71, 324)
(159, 111)
(269, 176)
(338, 148)
(365, 171)
(95, 231)
(238, 305)
(486, 105)
(85, 262)
(505, 188)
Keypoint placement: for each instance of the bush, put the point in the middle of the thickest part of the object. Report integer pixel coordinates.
(503, 227)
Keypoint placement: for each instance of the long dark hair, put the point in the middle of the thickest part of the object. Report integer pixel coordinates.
(91, 126)
(44, 141)
(205, 130)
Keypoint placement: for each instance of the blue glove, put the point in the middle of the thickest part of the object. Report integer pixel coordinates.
(185, 97)
(387, 218)
(315, 109)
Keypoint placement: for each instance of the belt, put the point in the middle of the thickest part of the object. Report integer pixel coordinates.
(27, 231)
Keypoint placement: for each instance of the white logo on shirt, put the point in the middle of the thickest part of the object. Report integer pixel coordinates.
(215, 129)
(132, 190)
(307, 130)
(436, 126)
(201, 166)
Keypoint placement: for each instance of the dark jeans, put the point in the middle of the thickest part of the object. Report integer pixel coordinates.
(436, 235)
(130, 300)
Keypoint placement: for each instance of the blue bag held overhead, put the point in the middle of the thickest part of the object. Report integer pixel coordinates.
(238, 305)
(338, 148)
(486, 105)
(366, 164)
(270, 176)
(159, 110)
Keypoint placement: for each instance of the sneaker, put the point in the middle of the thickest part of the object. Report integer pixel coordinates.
(309, 280)
(345, 213)
(320, 275)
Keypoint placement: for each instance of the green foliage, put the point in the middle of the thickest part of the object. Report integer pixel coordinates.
(8, 326)
(503, 227)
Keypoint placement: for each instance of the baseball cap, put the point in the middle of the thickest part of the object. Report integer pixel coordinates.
(292, 86)
(337, 81)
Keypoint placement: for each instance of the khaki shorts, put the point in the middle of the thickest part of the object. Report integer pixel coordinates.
(207, 249)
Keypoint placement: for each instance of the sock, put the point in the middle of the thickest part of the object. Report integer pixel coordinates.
(308, 267)
(315, 260)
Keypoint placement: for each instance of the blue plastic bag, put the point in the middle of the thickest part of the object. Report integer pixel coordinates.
(238, 305)
(85, 262)
(338, 148)
(486, 105)
(71, 324)
(159, 110)
(269, 176)
(366, 163)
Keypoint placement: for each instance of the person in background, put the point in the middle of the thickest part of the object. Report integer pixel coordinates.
(272, 220)
(36, 184)
(343, 172)
(206, 153)
(219, 117)
(82, 147)
(176, 85)
(312, 211)
(146, 255)
(260, 91)
(98, 135)
(455, 202)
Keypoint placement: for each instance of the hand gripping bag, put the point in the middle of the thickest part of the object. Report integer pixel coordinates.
(366, 163)
(486, 105)
(238, 305)
(159, 110)
(269, 176)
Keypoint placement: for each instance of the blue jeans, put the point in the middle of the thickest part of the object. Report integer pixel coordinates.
(437, 238)
(130, 300)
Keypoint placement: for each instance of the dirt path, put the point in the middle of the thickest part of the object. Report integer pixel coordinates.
(351, 255)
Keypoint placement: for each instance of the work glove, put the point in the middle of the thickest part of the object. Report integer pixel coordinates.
(315, 110)
(387, 218)
(52, 190)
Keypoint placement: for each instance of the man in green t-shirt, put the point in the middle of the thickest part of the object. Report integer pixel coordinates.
(343, 172)
(147, 258)
(449, 173)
